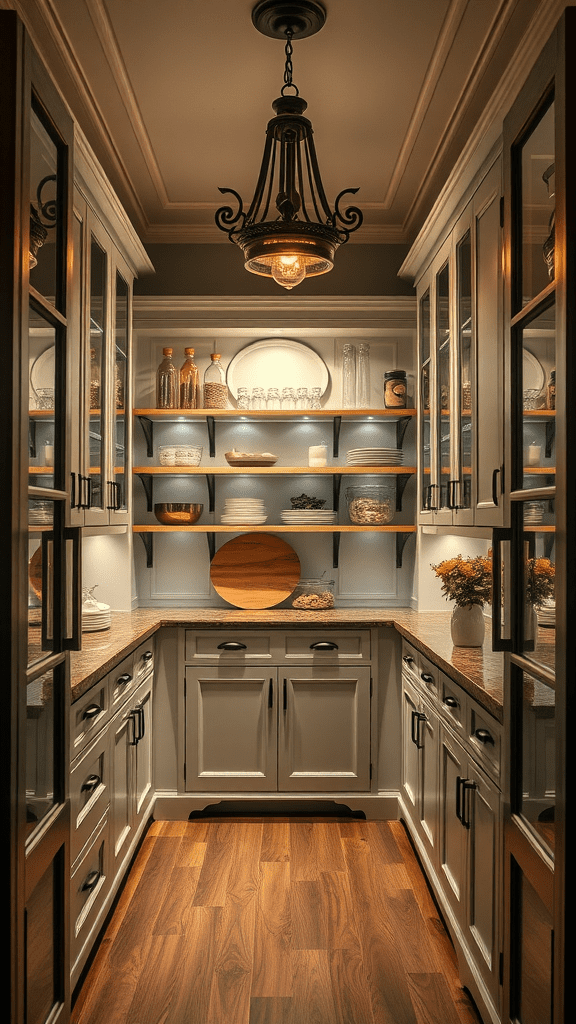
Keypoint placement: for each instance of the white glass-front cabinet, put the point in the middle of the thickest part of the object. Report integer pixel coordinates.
(461, 370)
(100, 382)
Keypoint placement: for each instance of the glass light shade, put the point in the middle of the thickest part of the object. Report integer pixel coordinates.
(288, 269)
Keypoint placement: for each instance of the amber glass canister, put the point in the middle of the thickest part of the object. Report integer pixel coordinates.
(395, 389)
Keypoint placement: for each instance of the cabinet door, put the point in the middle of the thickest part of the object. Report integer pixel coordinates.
(488, 437)
(410, 752)
(428, 785)
(482, 926)
(121, 810)
(324, 730)
(142, 757)
(231, 728)
(452, 832)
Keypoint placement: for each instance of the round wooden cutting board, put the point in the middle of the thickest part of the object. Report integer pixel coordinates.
(256, 570)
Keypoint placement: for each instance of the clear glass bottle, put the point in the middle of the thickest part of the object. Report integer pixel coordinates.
(273, 398)
(189, 379)
(215, 387)
(167, 382)
(349, 377)
(363, 377)
(94, 380)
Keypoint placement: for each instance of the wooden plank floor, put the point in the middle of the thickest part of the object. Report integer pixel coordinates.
(282, 921)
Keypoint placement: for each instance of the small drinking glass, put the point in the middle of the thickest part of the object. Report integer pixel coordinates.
(532, 398)
(45, 398)
(302, 399)
(258, 400)
(288, 398)
(316, 395)
(273, 398)
(243, 400)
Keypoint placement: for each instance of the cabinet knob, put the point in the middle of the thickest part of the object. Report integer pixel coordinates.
(92, 711)
(92, 782)
(123, 679)
(451, 702)
(484, 736)
(147, 656)
(426, 677)
(231, 645)
(91, 881)
(324, 645)
(408, 659)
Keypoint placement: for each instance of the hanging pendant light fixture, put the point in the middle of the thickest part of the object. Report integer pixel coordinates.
(300, 238)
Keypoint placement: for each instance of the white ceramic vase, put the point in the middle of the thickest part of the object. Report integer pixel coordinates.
(467, 625)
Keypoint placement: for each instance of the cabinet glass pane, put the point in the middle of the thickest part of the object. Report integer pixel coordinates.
(97, 385)
(532, 953)
(539, 581)
(464, 314)
(43, 395)
(537, 788)
(443, 375)
(39, 749)
(43, 946)
(537, 209)
(539, 400)
(40, 572)
(120, 386)
(45, 212)
(425, 460)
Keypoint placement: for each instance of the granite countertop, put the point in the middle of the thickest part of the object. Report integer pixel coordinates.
(480, 671)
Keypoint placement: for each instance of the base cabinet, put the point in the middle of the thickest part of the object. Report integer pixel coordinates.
(287, 729)
(420, 764)
(131, 741)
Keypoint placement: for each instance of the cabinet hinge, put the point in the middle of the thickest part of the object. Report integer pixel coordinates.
(501, 211)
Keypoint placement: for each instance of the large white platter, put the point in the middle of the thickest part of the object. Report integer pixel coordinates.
(277, 362)
(533, 375)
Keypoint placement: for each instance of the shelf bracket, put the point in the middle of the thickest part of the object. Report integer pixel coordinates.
(335, 549)
(32, 438)
(211, 492)
(336, 435)
(148, 430)
(336, 485)
(401, 539)
(550, 435)
(148, 484)
(211, 538)
(401, 428)
(211, 426)
(401, 481)
(148, 542)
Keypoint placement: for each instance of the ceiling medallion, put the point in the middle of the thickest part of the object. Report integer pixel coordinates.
(301, 241)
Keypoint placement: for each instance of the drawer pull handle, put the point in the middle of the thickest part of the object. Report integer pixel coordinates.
(91, 881)
(92, 711)
(231, 645)
(91, 783)
(408, 659)
(426, 677)
(417, 718)
(271, 694)
(147, 655)
(123, 679)
(451, 702)
(285, 697)
(484, 736)
(324, 645)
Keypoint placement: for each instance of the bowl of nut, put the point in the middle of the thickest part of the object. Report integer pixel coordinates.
(371, 505)
(178, 513)
(313, 595)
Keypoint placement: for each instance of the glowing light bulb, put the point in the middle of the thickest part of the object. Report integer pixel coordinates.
(288, 270)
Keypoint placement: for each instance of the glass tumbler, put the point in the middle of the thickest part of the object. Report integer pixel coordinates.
(258, 399)
(273, 398)
(288, 398)
(315, 398)
(243, 400)
(349, 377)
(302, 399)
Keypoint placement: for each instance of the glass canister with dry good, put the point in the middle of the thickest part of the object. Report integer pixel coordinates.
(215, 387)
(189, 381)
(395, 389)
(313, 595)
(371, 504)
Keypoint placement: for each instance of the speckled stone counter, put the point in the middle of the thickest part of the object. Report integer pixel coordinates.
(478, 670)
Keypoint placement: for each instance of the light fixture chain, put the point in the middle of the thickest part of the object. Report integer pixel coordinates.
(288, 69)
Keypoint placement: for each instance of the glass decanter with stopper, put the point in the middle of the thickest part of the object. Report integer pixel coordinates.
(189, 379)
(167, 382)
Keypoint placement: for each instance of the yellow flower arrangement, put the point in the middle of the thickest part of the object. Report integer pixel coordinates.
(540, 580)
(466, 580)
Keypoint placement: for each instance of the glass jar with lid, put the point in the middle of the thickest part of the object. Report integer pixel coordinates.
(313, 595)
(371, 504)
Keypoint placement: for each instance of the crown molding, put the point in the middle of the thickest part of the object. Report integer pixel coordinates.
(353, 313)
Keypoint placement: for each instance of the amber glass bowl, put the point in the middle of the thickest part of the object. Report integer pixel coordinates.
(181, 513)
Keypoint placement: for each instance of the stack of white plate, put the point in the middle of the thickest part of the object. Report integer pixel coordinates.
(307, 516)
(375, 457)
(94, 619)
(244, 512)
